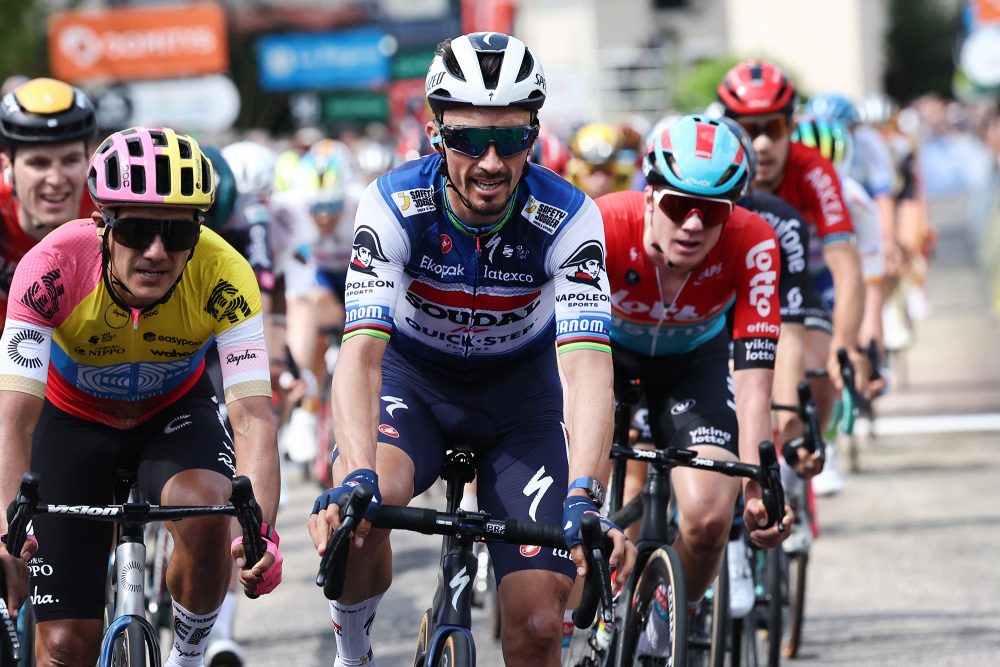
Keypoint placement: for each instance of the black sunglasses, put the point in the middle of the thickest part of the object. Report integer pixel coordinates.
(474, 141)
(139, 233)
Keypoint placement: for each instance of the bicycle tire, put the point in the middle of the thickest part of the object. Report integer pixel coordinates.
(26, 634)
(662, 569)
(770, 627)
(423, 639)
(797, 567)
(708, 628)
(457, 650)
(130, 646)
(584, 650)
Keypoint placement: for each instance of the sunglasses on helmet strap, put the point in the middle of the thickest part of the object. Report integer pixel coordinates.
(679, 207)
(474, 141)
(139, 233)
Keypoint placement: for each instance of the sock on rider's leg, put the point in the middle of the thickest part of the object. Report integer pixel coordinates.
(190, 637)
(353, 624)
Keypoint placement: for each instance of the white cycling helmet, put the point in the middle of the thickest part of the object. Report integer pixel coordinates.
(456, 78)
(253, 167)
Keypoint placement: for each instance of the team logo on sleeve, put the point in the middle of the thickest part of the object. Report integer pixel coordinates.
(367, 248)
(544, 216)
(586, 263)
(24, 348)
(43, 296)
(226, 303)
(414, 202)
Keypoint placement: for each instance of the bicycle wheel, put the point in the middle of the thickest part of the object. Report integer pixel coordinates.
(423, 639)
(797, 565)
(457, 651)
(660, 587)
(769, 621)
(26, 634)
(591, 647)
(130, 646)
(708, 629)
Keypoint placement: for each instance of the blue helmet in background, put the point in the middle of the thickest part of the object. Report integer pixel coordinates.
(833, 105)
(699, 156)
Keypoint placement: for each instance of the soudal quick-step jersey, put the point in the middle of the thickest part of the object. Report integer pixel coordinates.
(465, 301)
(121, 366)
(741, 270)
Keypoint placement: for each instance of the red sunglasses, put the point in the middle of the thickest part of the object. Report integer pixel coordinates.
(679, 207)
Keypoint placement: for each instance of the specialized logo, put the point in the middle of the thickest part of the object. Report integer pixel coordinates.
(414, 202)
(458, 584)
(764, 282)
(587, 262)
(43, 295)
(544, 216)
(387, 430)
(682, 406)
(24, 348)
(367, 248)
(226, 303)
(394, 404)
(530, 550)
(537, 485)
(172, 426)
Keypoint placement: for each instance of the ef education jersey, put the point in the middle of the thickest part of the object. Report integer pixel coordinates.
(465, 301)
(741, 270)
(120, 366)
(14, 242)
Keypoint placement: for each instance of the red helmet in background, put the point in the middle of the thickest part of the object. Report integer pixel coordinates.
(550, 152)
(754, 88)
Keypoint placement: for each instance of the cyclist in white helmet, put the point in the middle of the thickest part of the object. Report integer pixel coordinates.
(474, 275)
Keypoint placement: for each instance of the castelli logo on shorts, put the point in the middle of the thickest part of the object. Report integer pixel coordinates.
(530, 550)
(385, 429)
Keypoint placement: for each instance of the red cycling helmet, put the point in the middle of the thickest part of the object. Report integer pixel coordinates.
(754, 88)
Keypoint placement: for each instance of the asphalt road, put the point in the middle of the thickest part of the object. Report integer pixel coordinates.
(903, 574)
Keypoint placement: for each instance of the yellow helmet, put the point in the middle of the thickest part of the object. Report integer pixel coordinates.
(46, 111)
(596, 143)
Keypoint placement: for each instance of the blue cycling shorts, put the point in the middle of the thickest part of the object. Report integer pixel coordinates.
(512, 417)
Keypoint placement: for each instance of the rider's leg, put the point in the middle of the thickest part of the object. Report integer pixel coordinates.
(788, 371)
(531, 616)
(816, 353)
(68, 643)
(354, 612)
(705, 514)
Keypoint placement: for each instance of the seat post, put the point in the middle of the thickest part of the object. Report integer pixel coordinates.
(458, 470)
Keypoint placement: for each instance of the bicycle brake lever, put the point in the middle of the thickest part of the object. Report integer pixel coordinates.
(19, 512)
(250, 518)
(774, 493)
(333, 565)
(597, 587)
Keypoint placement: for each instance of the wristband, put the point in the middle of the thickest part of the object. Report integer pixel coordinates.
(592, 486)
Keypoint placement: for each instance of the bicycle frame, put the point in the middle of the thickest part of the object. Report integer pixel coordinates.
(130, 553)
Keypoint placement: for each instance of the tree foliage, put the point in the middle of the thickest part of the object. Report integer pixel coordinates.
(695, 87)
(919, 46)
(20, 33)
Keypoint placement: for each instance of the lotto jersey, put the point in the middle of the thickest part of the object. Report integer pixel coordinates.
(812, 187)
(120, 366)
(741, 270)
(468, 301)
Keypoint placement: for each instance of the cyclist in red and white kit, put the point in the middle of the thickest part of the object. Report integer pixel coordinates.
(762, 99)
(680, 254)
(44, 128)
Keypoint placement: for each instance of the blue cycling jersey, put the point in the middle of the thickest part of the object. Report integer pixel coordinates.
(464, 299)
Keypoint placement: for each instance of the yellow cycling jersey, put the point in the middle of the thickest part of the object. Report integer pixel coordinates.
(117, 365)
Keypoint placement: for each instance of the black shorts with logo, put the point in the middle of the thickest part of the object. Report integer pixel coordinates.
(77, 460)
(689, 396)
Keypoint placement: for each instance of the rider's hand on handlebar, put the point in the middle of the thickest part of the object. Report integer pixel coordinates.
(862, 370)
(755, 518)
(325, 515)
(265, 575)
(808, 464)
(623, 553)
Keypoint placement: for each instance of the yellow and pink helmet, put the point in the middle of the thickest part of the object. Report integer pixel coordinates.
(150, 167)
